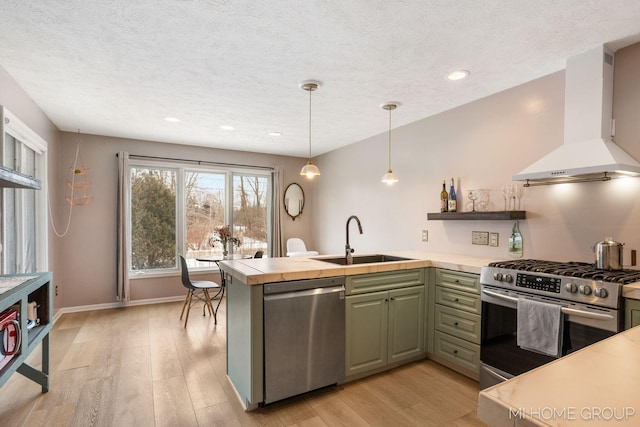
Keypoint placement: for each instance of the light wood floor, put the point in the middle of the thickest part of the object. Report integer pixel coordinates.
(139, 367)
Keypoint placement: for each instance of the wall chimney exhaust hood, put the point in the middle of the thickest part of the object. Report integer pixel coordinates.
(588, 152)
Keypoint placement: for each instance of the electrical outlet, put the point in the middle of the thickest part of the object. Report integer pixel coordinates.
(480, 237)
(56, 290)
(493, 239)
(425, 235)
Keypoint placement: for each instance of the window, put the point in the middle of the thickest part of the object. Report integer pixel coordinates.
(153, 218)
(176, 210)
(24, 217)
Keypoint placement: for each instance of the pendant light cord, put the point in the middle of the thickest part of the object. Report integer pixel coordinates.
(390, 138)
(310, 90)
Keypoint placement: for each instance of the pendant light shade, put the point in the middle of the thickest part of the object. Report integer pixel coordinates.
(389, 177)
(310, 170)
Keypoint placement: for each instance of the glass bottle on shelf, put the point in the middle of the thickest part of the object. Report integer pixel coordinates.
(444, 198)
(453, 201)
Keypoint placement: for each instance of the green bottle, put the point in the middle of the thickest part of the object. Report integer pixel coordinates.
(515, 242)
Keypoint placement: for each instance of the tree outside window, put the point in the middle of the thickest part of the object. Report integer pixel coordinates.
(153, 218)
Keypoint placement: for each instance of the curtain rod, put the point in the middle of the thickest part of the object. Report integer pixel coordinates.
(198, 162)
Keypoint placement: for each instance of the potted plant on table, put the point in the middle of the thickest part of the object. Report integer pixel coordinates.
(223, 235)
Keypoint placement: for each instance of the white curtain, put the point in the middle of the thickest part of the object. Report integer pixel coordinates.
(122, 290)
(278, 250)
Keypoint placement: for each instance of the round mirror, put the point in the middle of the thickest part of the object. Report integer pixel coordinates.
(293, 200)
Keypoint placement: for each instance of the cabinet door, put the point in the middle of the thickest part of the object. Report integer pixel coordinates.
(632, 313)
(406, 323)
(366, 327)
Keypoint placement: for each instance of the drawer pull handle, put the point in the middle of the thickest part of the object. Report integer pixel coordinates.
(456, 300)
(456, 281)
(455, 352)
(455, 324)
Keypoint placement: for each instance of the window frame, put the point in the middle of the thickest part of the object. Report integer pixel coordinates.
(181, 220)
(25, 138)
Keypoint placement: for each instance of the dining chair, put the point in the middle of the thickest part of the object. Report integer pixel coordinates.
(258, 254)
(296, 247)
(198, 289)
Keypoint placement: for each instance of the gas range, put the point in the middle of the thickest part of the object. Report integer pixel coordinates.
(570, 281)
(590, 301)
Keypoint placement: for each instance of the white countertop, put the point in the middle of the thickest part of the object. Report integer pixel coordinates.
(265, 270)
(595, 386)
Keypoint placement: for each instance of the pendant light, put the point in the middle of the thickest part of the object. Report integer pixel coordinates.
(310, 170)
(389, 177)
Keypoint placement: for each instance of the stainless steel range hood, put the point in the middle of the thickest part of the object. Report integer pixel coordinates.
(588, 152)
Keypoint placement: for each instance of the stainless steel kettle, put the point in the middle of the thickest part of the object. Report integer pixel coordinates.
(608, 254)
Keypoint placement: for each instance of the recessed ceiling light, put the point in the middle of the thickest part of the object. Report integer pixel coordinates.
(458, 75)
(227, 127)
(275, 134)
(171, 119)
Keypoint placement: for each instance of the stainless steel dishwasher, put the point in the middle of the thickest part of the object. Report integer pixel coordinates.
(304, 336)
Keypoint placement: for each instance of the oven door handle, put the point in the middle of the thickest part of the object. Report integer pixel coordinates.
(565, 310)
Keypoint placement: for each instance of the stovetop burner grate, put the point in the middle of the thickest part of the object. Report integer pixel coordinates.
(572, 269)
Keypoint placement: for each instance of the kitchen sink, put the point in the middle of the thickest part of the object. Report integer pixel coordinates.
(364, 259)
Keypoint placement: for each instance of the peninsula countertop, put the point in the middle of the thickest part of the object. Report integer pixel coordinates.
(597, 385)
(258, 271)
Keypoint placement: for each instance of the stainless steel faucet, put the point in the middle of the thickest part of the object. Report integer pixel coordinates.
(347, 249)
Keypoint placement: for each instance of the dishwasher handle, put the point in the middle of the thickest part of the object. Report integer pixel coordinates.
(307, 293)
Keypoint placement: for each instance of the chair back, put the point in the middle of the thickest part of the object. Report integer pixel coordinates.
(186, 282)
(296, 244)
(258, 254)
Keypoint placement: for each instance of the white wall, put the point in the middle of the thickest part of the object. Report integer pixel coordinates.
(482, 144)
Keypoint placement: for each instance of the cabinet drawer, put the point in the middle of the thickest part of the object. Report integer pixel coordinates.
(468, 282)
(458, 323)
(364, 283)
(460, 300)
(455, 350)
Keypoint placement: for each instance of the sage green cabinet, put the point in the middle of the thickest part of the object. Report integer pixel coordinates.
(384, 321)
(455, 330)
(631, 313)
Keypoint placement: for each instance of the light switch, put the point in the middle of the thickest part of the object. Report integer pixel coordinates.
(425, 235)
(493, 239)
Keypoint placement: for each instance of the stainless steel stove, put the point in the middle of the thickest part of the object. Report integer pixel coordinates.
(572, 281)
(590, 300)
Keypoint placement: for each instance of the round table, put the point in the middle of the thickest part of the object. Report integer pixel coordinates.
(223, 281)
(218, 258)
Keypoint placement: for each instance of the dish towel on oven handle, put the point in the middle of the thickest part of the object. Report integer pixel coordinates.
(540, 327)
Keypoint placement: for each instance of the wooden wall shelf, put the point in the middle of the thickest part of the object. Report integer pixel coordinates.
(474, 216)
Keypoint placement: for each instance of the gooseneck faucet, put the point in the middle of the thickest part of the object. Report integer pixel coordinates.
(347, 249)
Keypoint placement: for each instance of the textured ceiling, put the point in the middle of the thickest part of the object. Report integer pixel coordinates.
(118, 67)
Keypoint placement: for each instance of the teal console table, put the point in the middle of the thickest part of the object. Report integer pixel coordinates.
(17, 292)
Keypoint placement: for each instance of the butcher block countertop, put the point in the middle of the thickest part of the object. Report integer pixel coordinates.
(595, 386)
(631, 291)
(256, 271)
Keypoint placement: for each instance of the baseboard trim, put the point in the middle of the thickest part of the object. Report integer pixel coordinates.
(116, 304)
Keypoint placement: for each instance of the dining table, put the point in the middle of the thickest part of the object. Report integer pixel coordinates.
(217, 258)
